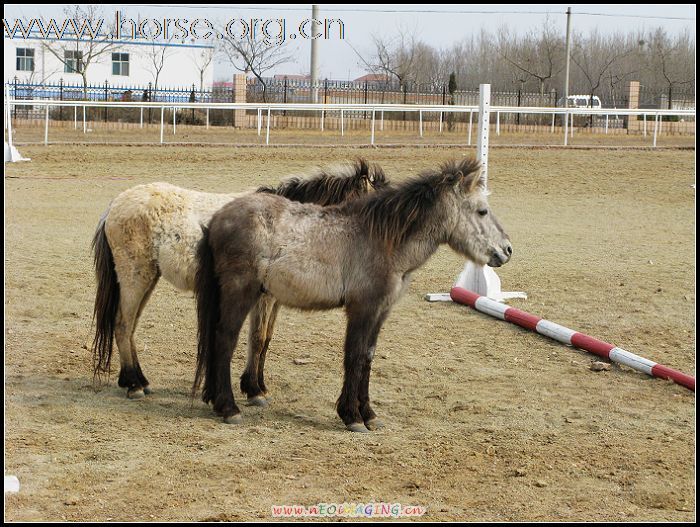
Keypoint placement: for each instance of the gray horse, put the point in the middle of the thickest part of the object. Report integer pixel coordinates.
(358, 255)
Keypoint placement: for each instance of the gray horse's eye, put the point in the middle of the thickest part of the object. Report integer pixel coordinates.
(483, 212)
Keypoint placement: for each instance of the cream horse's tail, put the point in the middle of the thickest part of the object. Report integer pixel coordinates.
(106, 300)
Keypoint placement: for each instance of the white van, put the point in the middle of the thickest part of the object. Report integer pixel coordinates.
(581, 101)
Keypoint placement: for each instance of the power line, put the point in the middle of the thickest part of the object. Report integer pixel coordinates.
(409, 11)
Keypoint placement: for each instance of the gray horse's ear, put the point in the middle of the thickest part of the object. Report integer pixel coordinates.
(476, 181)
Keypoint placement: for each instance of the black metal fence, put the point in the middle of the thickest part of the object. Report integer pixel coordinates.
(281, 91)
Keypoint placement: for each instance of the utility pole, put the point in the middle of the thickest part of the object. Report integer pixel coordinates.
(314, 54)
(568, 56)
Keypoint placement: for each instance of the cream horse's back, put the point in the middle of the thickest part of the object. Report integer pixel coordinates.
(153, 230)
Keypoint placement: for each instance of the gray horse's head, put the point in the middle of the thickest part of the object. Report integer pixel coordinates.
(476, 232)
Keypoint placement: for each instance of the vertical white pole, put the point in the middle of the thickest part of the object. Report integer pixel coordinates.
(482, 141)
(84, 121)
(259, 120)
(342, 123)
(469, 138)
(553, 116)
(8, 114)
(656, 128)
(372, 140)
(381, 124)
(46, 126)
(267, 134)
(661, 122)
(571, 126)
(607, 118)
(323, 115)
(420, 122)
(162, 116)
(440, 122)
(566, 128)
(498, 123)
(75, 116)
(207, 118)
(174, 113)
(645, 124)
(141, 121)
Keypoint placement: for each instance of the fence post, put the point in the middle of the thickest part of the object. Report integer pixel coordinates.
(420, 122)
(325, 91)
(174, 114)
(162, 112)
(60, 96)
(566, 125)
(342, 123)
(372, 140)
(75, 117)
(46, 127)
(141, 118)
(469, 136)
(84, 121)
(498, 123)
(656, 127)
(106, 95)
(259, 120)
(365, 113)
(207, 118)
(267, 135)
(14, 96)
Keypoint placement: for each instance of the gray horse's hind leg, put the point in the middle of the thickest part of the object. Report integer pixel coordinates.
(262, 322)
(134, 294)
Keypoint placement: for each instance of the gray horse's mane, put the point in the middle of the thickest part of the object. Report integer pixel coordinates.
(333, 185)
(396, 212)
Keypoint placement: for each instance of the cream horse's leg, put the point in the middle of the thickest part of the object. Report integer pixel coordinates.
(135, 290)
(262, 322)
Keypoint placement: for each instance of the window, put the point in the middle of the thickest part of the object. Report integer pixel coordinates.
(73, 61)
(120, 64)
(25, 59)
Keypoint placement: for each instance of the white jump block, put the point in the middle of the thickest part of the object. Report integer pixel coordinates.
(11, 484)
(12, 155)
(480, 279)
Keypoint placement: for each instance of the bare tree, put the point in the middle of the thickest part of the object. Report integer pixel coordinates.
(537, 55)
(157, 54)
(595, 56)
(251, 55)
(671, 60)
(77, 56)
(202, 61)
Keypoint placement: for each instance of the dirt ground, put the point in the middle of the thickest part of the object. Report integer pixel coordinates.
(485, 421)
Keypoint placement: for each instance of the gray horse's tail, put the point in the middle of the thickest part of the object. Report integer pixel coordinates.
(207, 295)
(106, 300)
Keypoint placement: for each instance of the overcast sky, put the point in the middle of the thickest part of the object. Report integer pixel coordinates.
(437, 24)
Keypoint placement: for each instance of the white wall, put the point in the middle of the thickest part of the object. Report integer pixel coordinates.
(180, 69)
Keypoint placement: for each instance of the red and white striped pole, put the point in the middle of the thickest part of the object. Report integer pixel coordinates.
(569, 336)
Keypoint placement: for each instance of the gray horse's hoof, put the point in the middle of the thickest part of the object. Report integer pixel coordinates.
(147, 390)
(135, 394)
(233, 419)
(357, 427)
(374, 424)
(258, 400)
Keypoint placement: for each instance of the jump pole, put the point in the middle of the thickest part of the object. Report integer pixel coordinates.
(569, 336)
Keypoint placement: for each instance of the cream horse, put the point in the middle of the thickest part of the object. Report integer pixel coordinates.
(153, 230)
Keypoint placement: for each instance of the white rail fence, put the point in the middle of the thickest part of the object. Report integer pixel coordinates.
(264, 111)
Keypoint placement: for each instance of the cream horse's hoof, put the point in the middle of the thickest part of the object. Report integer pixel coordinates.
(258, 400)
(374, 424)
(233, 419)
(357, 427)
(135, 394)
